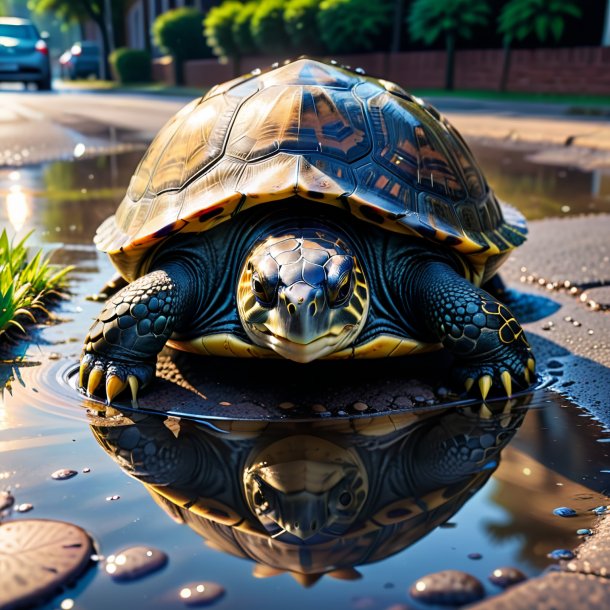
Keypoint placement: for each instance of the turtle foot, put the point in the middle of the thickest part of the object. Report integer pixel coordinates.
(102, 376)
(510, 370)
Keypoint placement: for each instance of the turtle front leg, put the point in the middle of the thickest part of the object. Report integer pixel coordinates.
(122, 344)
(489, 344)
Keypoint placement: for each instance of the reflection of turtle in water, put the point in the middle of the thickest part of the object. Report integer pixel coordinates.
(313, 498)
(308, 212)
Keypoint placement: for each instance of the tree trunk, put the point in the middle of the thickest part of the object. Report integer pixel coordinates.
(179, 71)
(506, 57)
(105, 50)
(449, 68)
(398, 26)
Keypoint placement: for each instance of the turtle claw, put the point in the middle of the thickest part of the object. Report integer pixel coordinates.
(114, 386)
(507, 382)
(469, 383)
(132, 380)
(95, 378)
(113, 377)
(485, 385)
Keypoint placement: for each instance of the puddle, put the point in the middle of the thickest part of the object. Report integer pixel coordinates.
(424, 489)
(543, 190)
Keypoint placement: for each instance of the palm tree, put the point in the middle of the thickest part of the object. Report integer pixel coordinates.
(430, 20)
(522, 18)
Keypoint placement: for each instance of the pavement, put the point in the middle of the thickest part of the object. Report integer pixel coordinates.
(563, 270)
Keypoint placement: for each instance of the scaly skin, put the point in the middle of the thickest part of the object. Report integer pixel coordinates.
(122, 344)
(486, 339)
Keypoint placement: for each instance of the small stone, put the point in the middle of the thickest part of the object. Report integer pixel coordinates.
(506, 577)
(360, 406)
(600, 510)
(564, 511)
(86, 470)
(318, 408)
(112, 498)
(561, 554)
(224, 403)
(584, 532)
(286, 405)
(442, 392)
(403, 402)
(449, 587)
(135, 562)
(26, 507)
(201, 593)
(419, 398)
(63, 474)
(6, 501)
(475, 556)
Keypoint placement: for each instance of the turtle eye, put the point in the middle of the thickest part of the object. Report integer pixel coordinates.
(341, 293)
(263, 293)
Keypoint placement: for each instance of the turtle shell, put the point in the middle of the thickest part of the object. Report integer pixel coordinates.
(324, 133)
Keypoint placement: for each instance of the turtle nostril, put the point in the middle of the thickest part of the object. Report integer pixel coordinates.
(292, 308)
(311, 309)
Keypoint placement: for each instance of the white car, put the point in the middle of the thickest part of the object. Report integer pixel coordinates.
(24, 55)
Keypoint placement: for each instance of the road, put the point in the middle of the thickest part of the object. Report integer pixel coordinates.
(37, 127)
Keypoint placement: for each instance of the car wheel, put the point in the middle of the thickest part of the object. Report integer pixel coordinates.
(44, 84)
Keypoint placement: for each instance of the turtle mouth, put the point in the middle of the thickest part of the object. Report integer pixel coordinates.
(304, 352)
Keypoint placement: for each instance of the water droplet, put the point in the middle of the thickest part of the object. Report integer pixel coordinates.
(79, 150)
(63, 473)
(447, 587)
(564, 511)
(135, 562)
(561, 554)
(201, 593)
(506, 576)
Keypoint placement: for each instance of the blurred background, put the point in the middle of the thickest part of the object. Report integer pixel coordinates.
(528, 46)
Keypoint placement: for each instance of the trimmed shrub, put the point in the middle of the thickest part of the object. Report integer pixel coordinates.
(131, 65)
(179, 32)
(352, 26)
(268, 29)
(300, 19)
(218, 29)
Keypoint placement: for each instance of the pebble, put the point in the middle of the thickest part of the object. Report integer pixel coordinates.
(448, 587)
(584, 532)
(6, 501)
(475, 556)
(318, 408)
(506, 577)
(26, 507)
(63, 473)
(600, 510)
(561, 554)
(112, 498)
(201, 593)
(564, 511)
(40, 557)
(360, 406)
(135, 562)
(287, 405)
(86, 470)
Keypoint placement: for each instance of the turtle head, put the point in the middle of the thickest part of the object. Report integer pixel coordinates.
(302, 294)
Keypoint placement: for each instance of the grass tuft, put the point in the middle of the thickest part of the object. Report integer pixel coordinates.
(26, 287)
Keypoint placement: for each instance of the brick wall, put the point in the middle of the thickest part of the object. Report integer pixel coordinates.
(565, 70)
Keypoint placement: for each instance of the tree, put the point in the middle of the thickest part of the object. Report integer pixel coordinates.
(242, 29)
(179, 33)
(300, 19)
(218, 29)
(81, 10)
(522, 18)
(267, 27)
(429, 20)
(348, 26)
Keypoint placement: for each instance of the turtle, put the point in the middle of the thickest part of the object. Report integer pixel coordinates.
(308, 211)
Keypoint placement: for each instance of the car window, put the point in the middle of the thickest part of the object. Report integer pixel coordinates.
(89, 51)
(22, 31)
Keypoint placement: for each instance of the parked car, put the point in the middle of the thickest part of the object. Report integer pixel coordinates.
(80, 61)
(24, 55)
